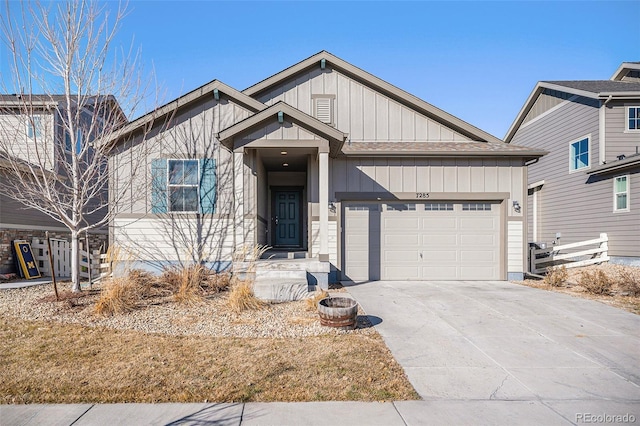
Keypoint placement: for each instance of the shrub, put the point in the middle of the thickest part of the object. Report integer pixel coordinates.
(556, 277)
(187, 284)
(312, 302)
(218, 282)
(628, 281)
(241, 297)
(596, 282)
(119, 295)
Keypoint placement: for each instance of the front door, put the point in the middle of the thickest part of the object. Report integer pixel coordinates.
(287, 218)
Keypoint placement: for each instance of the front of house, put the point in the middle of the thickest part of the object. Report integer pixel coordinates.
(326, 159)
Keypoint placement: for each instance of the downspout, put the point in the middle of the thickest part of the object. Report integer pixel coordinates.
(602, 129)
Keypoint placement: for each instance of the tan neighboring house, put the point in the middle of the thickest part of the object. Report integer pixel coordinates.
(325, 159)
(589, 183)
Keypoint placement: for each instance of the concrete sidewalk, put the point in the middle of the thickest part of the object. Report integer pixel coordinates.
(294, 414)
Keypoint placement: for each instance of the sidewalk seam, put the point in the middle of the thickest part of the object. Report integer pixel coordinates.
(244, 404)
(82, 415)
(399, 414)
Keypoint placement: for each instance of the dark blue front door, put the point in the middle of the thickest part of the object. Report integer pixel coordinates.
(287, 218)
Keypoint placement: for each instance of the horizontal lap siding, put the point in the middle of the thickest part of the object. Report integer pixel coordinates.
(618, 140)
(333, 240)
(515, 260)
(155, 239)
(577, 205)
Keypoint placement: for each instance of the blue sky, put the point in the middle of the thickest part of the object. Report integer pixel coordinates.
(476, 60)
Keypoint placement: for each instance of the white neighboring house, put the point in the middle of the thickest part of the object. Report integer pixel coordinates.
(589, 183)
(330, 160)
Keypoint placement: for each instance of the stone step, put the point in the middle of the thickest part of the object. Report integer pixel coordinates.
(281, 290)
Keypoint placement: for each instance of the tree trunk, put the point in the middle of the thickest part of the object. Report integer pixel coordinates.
(75, 262)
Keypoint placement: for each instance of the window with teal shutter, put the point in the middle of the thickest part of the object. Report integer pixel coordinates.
(207, 185)
(159, 186)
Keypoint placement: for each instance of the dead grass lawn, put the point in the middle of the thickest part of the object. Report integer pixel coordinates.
(64, 363)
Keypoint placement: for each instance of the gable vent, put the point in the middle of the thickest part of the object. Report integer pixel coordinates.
(323, 110)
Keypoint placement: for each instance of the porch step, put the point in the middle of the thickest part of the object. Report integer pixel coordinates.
(280, 280)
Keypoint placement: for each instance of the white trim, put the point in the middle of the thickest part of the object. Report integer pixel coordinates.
(602, 134)
(626, 118)
(549, 111)
(588, 138)
(535, 184)
(169, 185)
(628, 193)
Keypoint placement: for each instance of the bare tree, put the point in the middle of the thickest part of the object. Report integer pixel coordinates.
(73, 89)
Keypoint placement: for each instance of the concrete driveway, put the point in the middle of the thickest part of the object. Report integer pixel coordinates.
(499, 350)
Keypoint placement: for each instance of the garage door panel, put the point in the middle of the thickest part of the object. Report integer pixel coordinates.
(401, 273)
(436, 241)
(403, 224)
(471, 257)
(441, 255)
(480, 241)
(401, 256)
(401, 240)
(477, 223)
(441, 272)
(477, 273)
(440, 223)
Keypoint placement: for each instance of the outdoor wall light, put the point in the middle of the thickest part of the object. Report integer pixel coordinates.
(280, 117)
(332, 207)
(516, 206)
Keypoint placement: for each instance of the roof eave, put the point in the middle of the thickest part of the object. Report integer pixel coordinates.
(529, 154)
(629, 162)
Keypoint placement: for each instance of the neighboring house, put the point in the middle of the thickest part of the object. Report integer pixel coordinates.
(31, 131)
(589, 183)
(328, 159)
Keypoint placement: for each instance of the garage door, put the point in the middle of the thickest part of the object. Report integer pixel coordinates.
(422, 241)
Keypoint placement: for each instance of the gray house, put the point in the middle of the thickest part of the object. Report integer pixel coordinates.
(330, 161)
(589, 183)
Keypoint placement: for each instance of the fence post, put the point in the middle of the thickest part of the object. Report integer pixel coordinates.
(604, 245)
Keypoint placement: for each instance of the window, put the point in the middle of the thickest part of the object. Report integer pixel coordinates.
(401, 207)
(476, 206)
(35, 127)
(579, 154)
(438, 207)
(633, 118)
(67, 141)
(621, 193)
(183, 185)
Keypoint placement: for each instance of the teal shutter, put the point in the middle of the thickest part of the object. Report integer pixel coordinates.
(207, 185)
(159, 186)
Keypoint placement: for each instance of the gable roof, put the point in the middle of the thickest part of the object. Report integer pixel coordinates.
(335, 137)
(624, 68)
(378, 84)
(594, 89)
(164, 111)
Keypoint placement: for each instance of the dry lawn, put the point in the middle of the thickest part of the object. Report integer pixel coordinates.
(57, 363)
(616, 297)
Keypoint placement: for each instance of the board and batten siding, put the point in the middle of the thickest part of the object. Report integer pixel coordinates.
(358, 110)
(191, 134)
(618, 140)
(577, 205)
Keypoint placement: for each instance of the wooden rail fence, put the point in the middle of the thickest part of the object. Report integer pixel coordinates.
(566, 255)
(93, 266)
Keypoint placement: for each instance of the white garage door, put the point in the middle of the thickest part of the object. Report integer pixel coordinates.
(422, 241)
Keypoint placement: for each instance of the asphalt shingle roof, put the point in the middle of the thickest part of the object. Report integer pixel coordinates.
(599, 86)
(440, 148)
